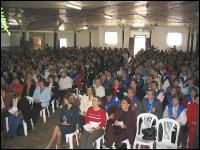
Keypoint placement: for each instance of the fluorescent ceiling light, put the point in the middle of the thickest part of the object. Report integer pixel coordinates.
(108, 17)
(73, 3)
(138, 25)
(73, 6)
(13, 23)
(85, 28)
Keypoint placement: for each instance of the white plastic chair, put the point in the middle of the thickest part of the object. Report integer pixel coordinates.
(127, 143)
(30, 99)
(7, 124)
(57, 103)
(53, 104)
(69, 138)
(77, 91)
(24, 126)
(168, 126)
(98, 141)
(43, 114)
(147, 121)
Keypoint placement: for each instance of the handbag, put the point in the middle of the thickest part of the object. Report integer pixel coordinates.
(149, 133)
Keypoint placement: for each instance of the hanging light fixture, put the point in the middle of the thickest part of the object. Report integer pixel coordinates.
(70, 5)
(107, 17)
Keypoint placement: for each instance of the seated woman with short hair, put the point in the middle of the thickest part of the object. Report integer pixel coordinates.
(96, 116)
(152, 105)
(122, 126)
(41, 98)
(15, 117)
(176, 111)
(85, 103)
(69, 116)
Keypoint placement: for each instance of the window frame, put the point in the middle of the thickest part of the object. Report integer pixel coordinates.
(171, 42)
(60, 41)
(105, 38)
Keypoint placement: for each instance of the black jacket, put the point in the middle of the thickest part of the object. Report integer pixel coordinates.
(31, 90)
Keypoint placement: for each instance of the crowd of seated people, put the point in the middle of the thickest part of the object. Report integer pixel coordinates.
(164, 83)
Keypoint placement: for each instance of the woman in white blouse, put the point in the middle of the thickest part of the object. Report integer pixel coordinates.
(85, 103)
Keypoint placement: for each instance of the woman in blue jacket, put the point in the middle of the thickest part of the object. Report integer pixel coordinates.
(69, 117)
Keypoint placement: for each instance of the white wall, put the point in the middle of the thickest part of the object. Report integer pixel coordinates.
(195, 40)
(5, 41)
(159, 37)
(127, 34)
(13, 40)
(49, 37)
(69, 35)
(132, 33)
(95, 38)
(82, 38)
(103, 29)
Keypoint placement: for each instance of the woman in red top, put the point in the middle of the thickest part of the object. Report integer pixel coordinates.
(17, 87)
(94, 114)
(80, 77)
(117, 89)
(191, 120)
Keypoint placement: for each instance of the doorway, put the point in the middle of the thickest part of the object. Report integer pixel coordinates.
(38, 40)
(139, 43)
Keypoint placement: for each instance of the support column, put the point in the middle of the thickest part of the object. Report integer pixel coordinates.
(150, 37)
(188, 40)
(90, 39)
(27, 36)
(23, 40)
(75, 39)
(55, 40)
(197, 44)
(26, 42)
(192, 39)
(122, 37)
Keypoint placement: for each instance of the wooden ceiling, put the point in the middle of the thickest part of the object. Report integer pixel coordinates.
(46, 15)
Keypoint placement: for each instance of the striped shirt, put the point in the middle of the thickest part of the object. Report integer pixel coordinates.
(96, 116)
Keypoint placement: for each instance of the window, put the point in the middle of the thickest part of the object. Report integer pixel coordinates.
(174, 39)
(139, 43)
(111, 38)
(63, 42)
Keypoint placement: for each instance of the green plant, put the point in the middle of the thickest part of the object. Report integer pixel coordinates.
(4, 25)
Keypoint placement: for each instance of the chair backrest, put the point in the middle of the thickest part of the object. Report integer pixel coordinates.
(107, 117)
(145, 120)
(77, 91)
(168, 126)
